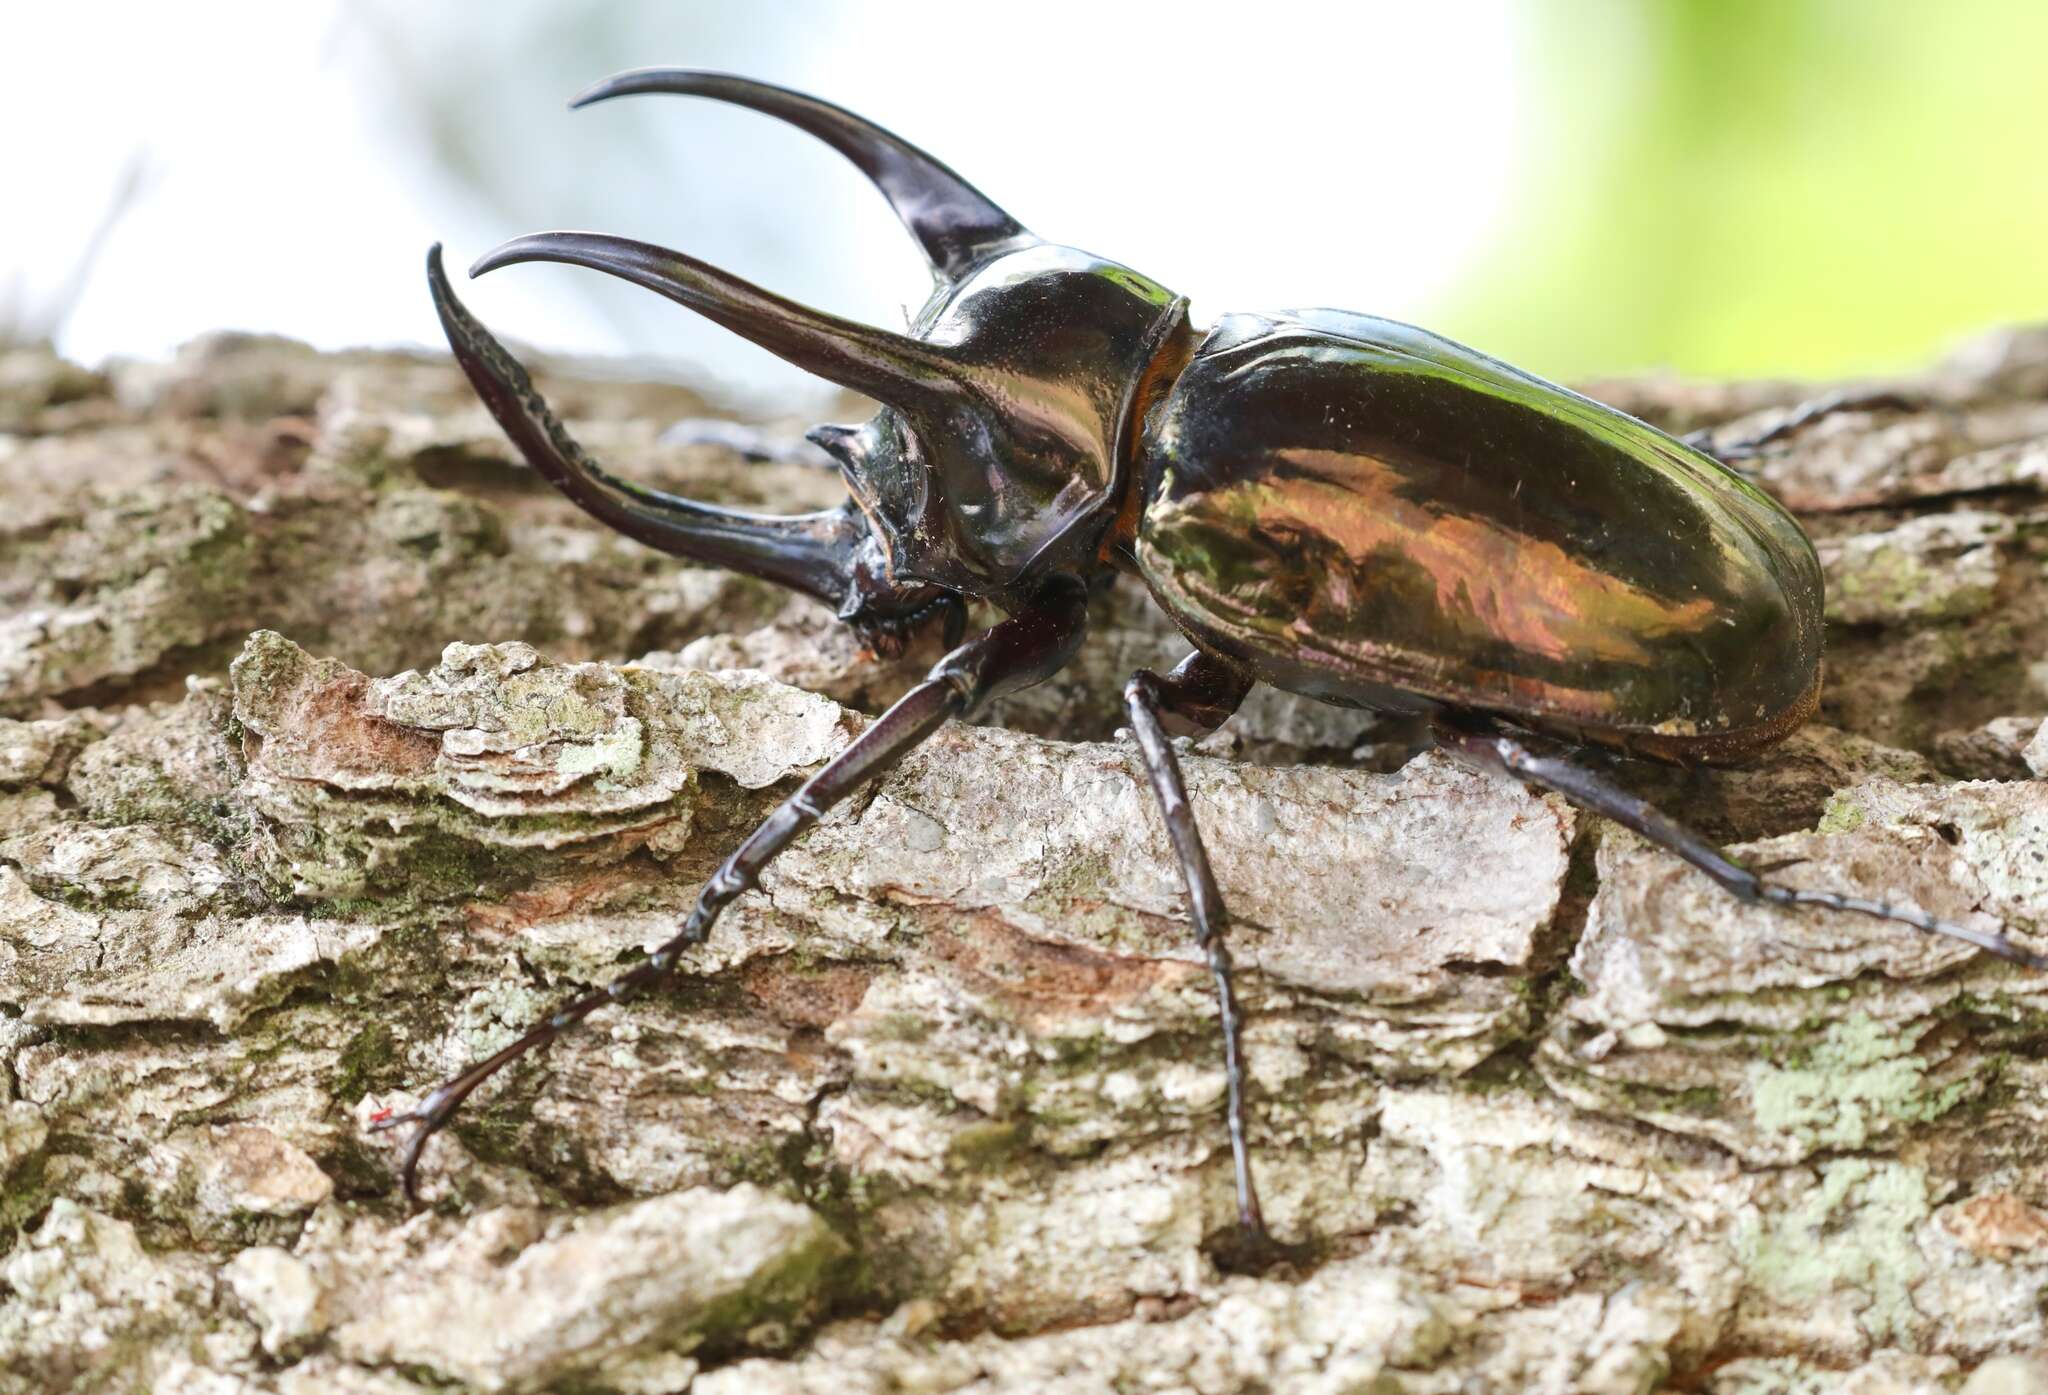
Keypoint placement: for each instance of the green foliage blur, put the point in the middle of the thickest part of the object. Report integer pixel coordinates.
(1724, 188)
(1816, 188)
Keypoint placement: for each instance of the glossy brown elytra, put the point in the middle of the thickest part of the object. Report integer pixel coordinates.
(1342, 506)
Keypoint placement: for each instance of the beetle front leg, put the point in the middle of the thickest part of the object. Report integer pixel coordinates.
(1202, 692)
(1487, 745)
(1025, 649)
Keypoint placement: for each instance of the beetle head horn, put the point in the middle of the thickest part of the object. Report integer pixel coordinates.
(892, 368)
(953, 221)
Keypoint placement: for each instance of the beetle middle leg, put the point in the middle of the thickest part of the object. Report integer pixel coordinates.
(1025, 649)
(1487, 744)
(1202, 692)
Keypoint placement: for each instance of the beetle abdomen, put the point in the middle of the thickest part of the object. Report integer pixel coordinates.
(1364, 512)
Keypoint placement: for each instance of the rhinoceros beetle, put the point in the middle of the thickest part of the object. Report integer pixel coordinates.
(1342, 506)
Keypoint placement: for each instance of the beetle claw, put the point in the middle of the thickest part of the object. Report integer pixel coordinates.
(409, 1165)
(430, 1115)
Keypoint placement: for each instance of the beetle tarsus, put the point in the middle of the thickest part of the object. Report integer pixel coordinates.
(1991, 942)
(1804, 415)
(1702, 441)
(1029, 647)
(1490, 746)
(433, 1113)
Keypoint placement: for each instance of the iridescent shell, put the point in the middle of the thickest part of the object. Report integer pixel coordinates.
(1369, 514)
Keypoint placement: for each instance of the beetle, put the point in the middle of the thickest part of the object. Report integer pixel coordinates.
(1345, 507)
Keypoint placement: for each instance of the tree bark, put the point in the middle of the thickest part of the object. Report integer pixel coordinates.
(334, 750)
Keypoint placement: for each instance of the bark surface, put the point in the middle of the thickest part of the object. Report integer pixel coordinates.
(334, 749)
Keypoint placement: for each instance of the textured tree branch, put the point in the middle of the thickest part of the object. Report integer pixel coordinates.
(334, 749)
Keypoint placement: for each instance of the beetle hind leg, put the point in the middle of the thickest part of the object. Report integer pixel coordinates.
(1488, 745)
(1201, 693)
(1751, 445)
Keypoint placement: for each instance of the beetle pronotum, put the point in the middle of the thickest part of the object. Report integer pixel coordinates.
(1342, 506)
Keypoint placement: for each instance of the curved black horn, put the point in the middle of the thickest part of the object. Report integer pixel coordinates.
(955, 224)
(812, 552)
(892, 368)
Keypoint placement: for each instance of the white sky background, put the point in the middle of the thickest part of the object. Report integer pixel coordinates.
(1251, 156)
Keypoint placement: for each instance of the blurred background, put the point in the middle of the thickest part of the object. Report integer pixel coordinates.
(1720, 187)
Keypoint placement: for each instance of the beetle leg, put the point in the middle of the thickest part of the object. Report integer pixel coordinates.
(1487, 745)
(1025, 649)
(1202, 691)
(1806, 414)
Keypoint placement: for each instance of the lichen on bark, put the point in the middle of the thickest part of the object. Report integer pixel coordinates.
(334, 749)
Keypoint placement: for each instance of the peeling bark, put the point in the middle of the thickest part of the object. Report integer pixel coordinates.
(334, 750)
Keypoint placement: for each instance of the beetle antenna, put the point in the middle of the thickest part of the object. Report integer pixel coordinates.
(892, 368)
(952, 220)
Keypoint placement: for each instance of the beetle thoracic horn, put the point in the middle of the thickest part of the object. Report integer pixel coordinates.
(892, 368)
(811, 552)
(955, 224)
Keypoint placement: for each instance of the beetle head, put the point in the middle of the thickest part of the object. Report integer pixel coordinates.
(998, 448)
